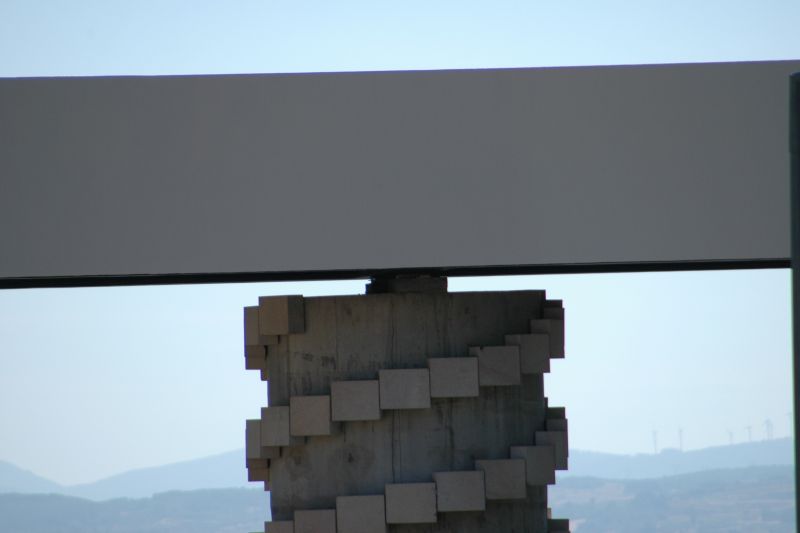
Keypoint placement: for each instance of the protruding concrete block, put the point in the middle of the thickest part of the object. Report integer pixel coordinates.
(252, 434)
(284, 526)
(255, 358)
(361, 514)
(555, 329)
(504, 478)
(540, 463)
(275, 426)
(497, 365)
(405, 388)
(556, 424)
(251, 335)
(258, 474)
(355, 400)
(281, 315)
(556, 313)
(534, 352)
(557, 525)
(454, 377)
(460, 491)
(411, 503)
(255, 350)
(558, 440)
(257, 463)
(316, 521)
(556, 412)
(310, 415)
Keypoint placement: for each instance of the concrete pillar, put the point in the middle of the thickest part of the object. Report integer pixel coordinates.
(417, 385)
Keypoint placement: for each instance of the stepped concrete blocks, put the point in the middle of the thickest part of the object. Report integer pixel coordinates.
(281, 315)
(454, 377)
(284, 526)
(504, 478)
(534, 352)
(497, 365)
(555, 329)
(361, 514)
(310, 416)
(275, 426)
(316, 521)
(540, 463)
(355, 400)
(407, 388)
(411, 503)
(558, 440)
(460, 491)
(554, 413)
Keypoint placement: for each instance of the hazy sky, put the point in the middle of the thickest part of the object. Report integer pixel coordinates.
(96, 381)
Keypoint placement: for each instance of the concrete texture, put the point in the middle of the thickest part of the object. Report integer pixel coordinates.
(284, 526)
(352, 338)
(534, 352)
(281, 315)
(316, 521)
(460, 491)
(411, 503)
(540, 463)
(253, 439)
(558, 440)
(555, 329)
(454, 377)
(309, 416)
(275, 426)
(497, 365)
(355, 400)
(405, 388)
(361, 514)
(505, 478)
(251, 334)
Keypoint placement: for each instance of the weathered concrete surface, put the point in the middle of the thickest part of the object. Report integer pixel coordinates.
(352, 338)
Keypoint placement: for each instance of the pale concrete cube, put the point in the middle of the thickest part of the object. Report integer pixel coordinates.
(497, 365)
(460, 491)
(355, 400)
(555, 329)
(258, 474)
(405, 388)
(454, 377)
(361, 514)
(253, 439)
(540, 463)
(283, 526)
(251, 326)
(281, 315)
(558, 440)
(411, 503)
(504, 478)
(275, 426)
(316, 521)
(310, 416)
(534, 352)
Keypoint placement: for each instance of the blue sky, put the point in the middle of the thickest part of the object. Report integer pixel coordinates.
(96, 381)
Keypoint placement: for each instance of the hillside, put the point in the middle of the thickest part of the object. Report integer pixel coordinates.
(207, 511)
(672, 462)
(752, 500)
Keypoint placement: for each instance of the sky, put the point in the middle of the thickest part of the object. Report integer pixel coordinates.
(97, 381)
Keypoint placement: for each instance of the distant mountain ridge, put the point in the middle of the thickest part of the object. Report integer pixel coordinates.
(673, 462)
(227, 470)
